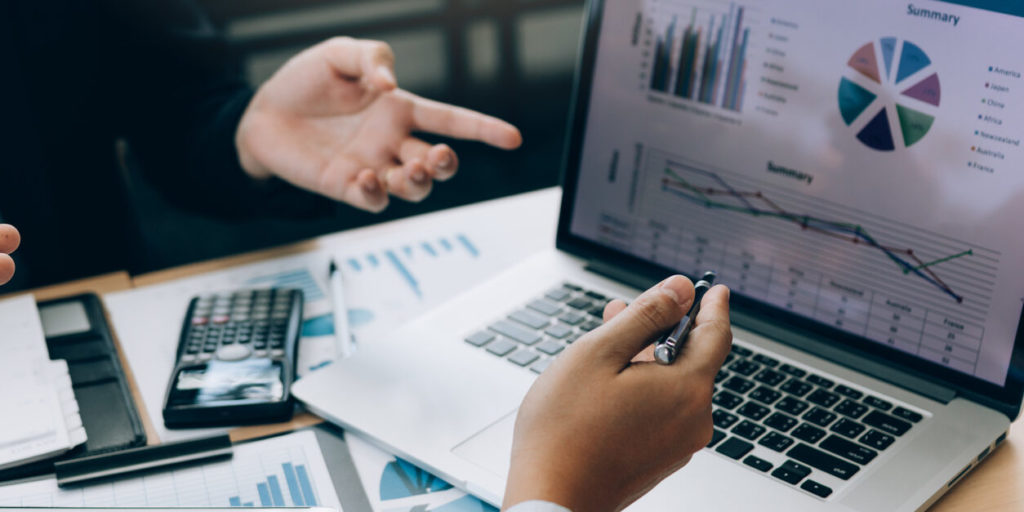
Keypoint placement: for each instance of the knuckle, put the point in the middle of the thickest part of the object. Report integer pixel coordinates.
(656, 310)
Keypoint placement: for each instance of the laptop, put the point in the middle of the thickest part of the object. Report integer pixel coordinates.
(850, 170)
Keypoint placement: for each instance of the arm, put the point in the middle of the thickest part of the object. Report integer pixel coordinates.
(604, 424)
(9, 240)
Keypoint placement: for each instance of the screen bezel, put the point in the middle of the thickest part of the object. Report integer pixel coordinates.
(1006, 398)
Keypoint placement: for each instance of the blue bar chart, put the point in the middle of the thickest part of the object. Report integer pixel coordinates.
(300, 490)
(706, 61)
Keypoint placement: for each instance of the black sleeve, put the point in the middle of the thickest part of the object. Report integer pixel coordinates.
(178, 98)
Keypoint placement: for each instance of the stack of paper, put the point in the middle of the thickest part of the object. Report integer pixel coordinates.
(37, 391)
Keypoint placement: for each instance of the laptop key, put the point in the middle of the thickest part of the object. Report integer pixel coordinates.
(765, 360)
(780, 422)
(739, 385)
(580, 303)
(877, 440)
(544, 307)
(796, 387)
(764, 395)
(541, 365)
(749, 430)
(753, 411)
(597, 311)
(820, 417)
(558, 294)
(480, 339)
(848, 392)
(530, 319)
(877, 403)
(721, 375)
(716, 437)
(852, 409)
(758, 464)
(818, 459)
(816, 489)
(791, 405)
(809, 433)
(823, 398)
(818, 380)
(590, 324)
(848, 450)
(792, 370)
(770, 377)
(848, 428)
(501, 347)
(571, 318)
(722, 419)
(734, 448)
(907, 414)
(573, 337)
(791, 472)
(726, 400)
(511, 330)
(558, 331)
(550, 347)
(744, 367)
(887, 423)
(523, 357)
(596, 296)
(775, 441)
(740, 351)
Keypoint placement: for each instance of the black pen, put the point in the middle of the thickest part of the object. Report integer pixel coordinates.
(667, 349)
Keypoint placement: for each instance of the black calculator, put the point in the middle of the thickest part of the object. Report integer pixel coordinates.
(236, 359)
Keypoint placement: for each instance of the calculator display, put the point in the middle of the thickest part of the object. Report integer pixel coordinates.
(251, 380)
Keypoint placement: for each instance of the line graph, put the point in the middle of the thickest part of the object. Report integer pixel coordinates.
(905, 258)
(854, 268)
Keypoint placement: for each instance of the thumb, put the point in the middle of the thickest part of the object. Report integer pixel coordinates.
(653, 312)
(373, 62)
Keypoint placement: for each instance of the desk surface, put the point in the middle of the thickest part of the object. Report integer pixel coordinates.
(997, 484)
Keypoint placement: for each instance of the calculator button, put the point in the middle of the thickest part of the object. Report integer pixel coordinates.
(200, 320)
(260, 353)
(233, 353)
(204, 357)
(277, 353)
(188, 358)
(220, 319)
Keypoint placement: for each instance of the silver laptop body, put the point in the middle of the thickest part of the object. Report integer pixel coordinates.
(813, 153)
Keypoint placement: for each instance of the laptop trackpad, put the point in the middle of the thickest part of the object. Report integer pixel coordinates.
(491, 447)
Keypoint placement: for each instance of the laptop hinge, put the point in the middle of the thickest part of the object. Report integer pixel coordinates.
(618, 273)
(787, 335)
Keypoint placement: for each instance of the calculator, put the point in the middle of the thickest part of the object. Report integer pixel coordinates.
(236, 359)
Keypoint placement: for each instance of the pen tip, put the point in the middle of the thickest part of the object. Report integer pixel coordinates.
(333, 268)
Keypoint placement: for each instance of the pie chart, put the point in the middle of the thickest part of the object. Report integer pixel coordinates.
(890, 94)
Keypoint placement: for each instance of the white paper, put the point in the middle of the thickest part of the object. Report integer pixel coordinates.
(254, 470)
(394, 485)
(38, 389)
(469, 245)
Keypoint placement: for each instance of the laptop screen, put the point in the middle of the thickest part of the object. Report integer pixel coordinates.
(858, 164)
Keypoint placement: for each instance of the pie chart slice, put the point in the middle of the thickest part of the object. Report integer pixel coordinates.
(927, 90)
(853, 100)
(912, 60)
(914, 124)
(402, 479)
(888, 45)
(865, 62)
(877, 134)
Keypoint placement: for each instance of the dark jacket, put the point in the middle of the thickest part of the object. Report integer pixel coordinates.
(79, 75)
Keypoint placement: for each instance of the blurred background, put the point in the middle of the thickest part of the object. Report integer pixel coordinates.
(509, 58)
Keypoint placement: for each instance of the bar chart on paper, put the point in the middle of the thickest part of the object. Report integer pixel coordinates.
(287, 471)
(698, 51)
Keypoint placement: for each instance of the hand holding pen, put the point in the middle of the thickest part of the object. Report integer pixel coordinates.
(668, 346)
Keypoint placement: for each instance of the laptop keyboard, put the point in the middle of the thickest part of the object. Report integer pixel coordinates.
(779, 418)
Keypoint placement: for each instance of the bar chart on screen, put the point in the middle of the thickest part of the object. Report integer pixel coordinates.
(287, 471)
(699, 50)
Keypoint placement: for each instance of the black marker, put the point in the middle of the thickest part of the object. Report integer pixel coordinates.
(667, 349)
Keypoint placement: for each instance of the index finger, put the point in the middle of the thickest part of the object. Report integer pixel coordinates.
(710, 341)
(9, 238)
(461, 123)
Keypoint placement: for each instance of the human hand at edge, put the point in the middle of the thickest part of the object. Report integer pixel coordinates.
(9, 241)
(333, 121)
(602, 426)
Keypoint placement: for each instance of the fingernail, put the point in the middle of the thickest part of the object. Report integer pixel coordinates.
(447, 161)
(386, 74)
(676, 287)
(419, 176)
